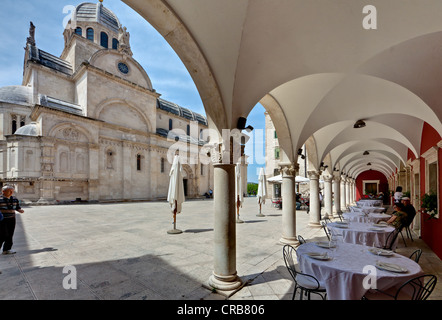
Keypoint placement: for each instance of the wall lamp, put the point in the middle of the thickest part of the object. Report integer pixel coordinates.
(366, 153)
(241, 125)
(300, 154)
(359, 124)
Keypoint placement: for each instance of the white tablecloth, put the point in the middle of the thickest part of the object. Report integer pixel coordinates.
(362, 217)
(343, 276)
(367, 209)
(354, 229)
(369, 202)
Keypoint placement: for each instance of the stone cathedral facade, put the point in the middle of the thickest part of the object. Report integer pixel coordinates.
(89, 125)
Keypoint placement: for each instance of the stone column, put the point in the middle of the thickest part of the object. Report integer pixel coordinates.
(315, 207)
(347, 192)
(328, 201)
(343, 194)
(337, 194)
(288, 195)
(224, 276)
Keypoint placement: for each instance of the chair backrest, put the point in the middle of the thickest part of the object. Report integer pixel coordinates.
(416, 255)
(324, 226)
(389, 242)
(289, 253)
(301, 239)
(418, 288)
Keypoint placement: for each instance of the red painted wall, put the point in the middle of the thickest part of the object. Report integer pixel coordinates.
(371, 175)
(431, 230)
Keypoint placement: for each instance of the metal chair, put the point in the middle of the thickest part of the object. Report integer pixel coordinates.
(308, 284)
(301, 239)
(324, 226)
(391, 238)
(416, 255)
(418, 288)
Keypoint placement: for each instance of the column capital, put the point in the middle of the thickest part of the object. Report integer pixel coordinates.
(328, 178)
(289, 169)
(313, 174)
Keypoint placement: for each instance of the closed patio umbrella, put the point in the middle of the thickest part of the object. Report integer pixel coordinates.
(262, 190)
(175, 196)
(238, 191)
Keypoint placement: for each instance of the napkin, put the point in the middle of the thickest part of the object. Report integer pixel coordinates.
(391, 266)
(317, 254)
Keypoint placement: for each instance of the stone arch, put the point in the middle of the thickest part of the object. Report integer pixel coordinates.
(111, 102)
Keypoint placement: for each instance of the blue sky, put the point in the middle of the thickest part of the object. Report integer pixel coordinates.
(169, 76)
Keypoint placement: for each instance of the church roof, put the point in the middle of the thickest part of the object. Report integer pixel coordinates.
(20, 95)
(60, 105)
(96, 12)
(49, 60)
(180, 111)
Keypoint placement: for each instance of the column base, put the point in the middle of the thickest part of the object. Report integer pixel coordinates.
(289, 240)
(314, 224)
(225, 285)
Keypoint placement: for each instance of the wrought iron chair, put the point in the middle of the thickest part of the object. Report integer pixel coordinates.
(324, 226)
(301, 239)
(391, 238)
(308, 284)
(418, 288)
(416, 255)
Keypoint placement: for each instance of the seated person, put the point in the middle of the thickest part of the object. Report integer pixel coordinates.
(409, 210)
(399, 216)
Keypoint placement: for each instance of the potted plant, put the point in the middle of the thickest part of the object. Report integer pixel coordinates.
(429, 204)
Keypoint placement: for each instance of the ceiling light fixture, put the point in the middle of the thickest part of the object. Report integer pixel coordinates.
(359, 124)
(366, 153)
(369, 164)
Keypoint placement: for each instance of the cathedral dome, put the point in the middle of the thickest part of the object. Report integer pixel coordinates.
(31, 129)
(20, 95)
(96, 12)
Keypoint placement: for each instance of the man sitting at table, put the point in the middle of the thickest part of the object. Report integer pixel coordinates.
(409, 210)
(399, 217)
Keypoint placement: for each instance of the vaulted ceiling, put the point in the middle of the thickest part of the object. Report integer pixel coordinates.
(316, 69)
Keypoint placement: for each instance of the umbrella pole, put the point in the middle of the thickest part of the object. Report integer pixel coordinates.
(260, 214)
(174, 230)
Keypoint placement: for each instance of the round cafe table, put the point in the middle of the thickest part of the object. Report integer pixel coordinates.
(345, 272)
(362, 217)
(374, 235)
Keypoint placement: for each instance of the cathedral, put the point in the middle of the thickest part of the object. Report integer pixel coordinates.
(89, 126)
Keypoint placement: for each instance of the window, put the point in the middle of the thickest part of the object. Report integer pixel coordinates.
(276, 136)
(201, 134)
(188, 130)
(138, 162)
(90, 34)
(14, 124)
(115, 44)
(22, 122)
(109, 159)
(79, 31)
(275, 172)
(170, 124)
(104, 40)
(162, 165)
(277, 153)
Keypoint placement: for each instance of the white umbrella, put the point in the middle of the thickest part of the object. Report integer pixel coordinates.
(238, 191)
(175, 196)
(301, 179)
(277, 178)
(262, 190)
